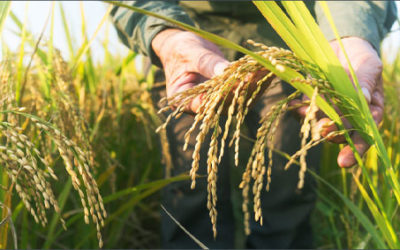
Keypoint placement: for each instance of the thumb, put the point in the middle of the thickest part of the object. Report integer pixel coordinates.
(210, 64)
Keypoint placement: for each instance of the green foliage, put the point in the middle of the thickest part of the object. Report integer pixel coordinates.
(301, 33)
(113, 107)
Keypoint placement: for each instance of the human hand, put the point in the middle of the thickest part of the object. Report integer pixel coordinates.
(187, 60)
(368, 70)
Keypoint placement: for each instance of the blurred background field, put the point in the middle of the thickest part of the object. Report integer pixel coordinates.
(36, 13)
(70, 51)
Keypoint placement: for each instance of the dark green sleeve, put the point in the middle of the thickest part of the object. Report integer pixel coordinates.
(137, 31)
(370, 20)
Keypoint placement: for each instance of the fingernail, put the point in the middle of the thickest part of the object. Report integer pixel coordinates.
(220, 67)
(366, 94)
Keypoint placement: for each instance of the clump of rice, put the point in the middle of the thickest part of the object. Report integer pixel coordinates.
(232, 94)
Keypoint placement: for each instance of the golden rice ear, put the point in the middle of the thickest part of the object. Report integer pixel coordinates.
(234, 92)
(27, 164)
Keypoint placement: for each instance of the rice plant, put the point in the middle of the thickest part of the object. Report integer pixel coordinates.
(239, 78)
(320, 74)
(27, 167)
(80, 125)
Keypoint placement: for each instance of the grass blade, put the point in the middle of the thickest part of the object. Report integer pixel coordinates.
(365, 222)
(198, 242)
(5, 7)
(380, 218)
(86, 45)
(66, 30)
(62, 199)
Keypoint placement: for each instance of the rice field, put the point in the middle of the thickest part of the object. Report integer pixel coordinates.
(82, 142)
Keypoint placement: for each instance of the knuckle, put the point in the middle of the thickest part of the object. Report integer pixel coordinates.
(379, 66)
(203, 58)
(368, 82)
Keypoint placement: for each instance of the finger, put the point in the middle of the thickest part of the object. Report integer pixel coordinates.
(195, 104)
(377, 113)
(219, 67)
(302, 107)
(346, 123)
(302, 111)
(346, 157)
(326, 127)
(254, 78)
(296, 106)
(367, 94)
(187, 81)
(209, 64)
(370, 78)
(368, 75)
(181, 83)
(377, 104)
(377, 98)
(366, 81)
(367, 86)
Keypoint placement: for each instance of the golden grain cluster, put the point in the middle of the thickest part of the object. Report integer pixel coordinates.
(232, 94)
(30, 141)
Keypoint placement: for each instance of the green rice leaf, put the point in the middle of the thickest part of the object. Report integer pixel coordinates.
(380, 218)
(362, 218)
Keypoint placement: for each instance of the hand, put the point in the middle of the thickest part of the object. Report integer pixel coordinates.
(368, 69)
(187, 60)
